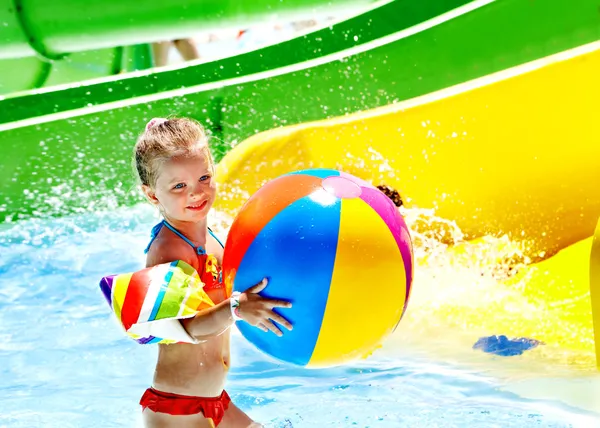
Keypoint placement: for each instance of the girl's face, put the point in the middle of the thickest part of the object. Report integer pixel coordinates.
(185, 188)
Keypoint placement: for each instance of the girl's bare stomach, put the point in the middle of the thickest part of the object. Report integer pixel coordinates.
(198, 370)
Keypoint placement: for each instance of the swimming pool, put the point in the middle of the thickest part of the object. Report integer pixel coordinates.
(65, 363)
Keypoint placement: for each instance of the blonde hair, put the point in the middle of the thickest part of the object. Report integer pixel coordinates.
(164, 139)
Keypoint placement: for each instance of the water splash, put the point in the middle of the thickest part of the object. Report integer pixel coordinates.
(60, 346)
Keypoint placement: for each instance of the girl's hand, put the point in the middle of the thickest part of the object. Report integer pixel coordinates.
(258, 311)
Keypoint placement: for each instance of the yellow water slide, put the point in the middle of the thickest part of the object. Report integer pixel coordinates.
(515, 154)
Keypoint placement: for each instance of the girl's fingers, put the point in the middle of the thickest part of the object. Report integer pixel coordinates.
(280, 320)
(274, 303)
(269, 324)
(262, 327)
(258, 287)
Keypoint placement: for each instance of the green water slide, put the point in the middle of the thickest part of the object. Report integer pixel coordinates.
(68, 150)
(28, 61)
(21, 74)
(46, 43)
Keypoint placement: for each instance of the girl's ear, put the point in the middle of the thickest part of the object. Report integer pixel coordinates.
(150, 194)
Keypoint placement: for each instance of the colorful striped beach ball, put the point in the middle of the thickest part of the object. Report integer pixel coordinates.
(338, 249)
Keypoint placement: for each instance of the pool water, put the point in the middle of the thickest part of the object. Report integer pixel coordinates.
(64, 362)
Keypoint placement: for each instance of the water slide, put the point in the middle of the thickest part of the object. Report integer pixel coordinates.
(44, 44)
(514, 153)
(482, 111)
(33, 72)
(393, 51)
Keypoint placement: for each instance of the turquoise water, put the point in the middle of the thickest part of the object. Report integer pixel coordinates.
(65, 363)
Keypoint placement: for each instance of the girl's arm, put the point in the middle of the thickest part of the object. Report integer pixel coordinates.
(209, 322)
(253, 308)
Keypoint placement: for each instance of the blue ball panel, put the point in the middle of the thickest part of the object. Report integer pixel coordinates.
(317, 172)
(296, 251)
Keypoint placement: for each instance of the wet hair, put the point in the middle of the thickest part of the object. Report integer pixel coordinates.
(164, 139)
(391, 193)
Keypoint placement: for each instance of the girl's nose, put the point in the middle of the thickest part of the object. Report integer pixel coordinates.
(196, 190)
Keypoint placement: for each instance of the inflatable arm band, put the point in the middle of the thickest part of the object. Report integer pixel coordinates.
(149, 303)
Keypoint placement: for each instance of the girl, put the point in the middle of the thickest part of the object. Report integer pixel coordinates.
(175, 168)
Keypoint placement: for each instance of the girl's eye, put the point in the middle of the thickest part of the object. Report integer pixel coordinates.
(179, 186)
(204, 177)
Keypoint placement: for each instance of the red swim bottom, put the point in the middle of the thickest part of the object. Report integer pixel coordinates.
(174, 404)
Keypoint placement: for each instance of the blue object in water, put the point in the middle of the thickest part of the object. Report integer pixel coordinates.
(505, 347)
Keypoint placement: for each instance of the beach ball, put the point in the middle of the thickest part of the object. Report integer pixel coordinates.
(338, 249)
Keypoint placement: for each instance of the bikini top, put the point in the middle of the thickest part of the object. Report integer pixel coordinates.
(211, 275)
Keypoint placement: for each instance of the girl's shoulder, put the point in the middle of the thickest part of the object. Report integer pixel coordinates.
(167, 248)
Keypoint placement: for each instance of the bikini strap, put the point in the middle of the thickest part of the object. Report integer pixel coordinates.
(198, 250)
(215, 236)
(153, 235)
